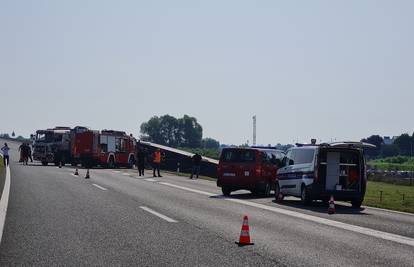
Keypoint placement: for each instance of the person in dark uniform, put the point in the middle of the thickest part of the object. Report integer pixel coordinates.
(196, 165)
(141, 160)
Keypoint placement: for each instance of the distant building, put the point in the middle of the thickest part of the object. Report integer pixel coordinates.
(388, 140)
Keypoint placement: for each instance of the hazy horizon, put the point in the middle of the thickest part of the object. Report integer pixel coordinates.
(320, 69)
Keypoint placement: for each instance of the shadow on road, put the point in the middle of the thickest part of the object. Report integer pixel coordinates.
(316, 206)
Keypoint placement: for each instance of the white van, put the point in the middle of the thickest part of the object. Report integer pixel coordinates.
(316, 172)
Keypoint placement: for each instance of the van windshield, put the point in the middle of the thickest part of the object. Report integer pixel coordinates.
(239, 156)
(303, 156)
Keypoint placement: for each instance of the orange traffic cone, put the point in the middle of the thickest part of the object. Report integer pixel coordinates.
(244, 234)
(87, 174)
(76, 171)
(331, 209)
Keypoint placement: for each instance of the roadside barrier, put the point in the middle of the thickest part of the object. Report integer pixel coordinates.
(244, 239)
(331, 209)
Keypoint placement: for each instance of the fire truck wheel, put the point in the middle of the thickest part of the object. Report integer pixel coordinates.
(111, 163)
(131, 163)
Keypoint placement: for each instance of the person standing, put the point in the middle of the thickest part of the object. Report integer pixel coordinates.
(157, 162)
(196, 165)
(5, 150)
(29, 151)
(141, 161)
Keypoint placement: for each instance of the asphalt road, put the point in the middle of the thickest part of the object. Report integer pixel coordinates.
(119, 218)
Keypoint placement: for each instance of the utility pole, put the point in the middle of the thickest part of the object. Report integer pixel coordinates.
(254, 130)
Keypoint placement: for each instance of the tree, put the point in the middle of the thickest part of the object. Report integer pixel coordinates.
(390, 150)
(210, 143)
(191, 132)
(152, 130)
(170, 131)
(404, 143)
(375, 140)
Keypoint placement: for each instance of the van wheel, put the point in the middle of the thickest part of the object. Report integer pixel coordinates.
(356, 203)
(226, 191)
(277, 192)
(304, 196)
(266, 190)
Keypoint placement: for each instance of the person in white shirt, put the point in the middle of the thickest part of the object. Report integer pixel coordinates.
(5, 151)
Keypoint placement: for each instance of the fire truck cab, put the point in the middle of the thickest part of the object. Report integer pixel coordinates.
(52, 146)
(116, 149)
(107, 148)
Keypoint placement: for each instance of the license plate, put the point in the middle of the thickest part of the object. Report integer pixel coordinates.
(230, 174)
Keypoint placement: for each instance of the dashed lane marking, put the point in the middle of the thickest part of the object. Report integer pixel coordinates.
(150, 180)
(100, 187)
(166, 218)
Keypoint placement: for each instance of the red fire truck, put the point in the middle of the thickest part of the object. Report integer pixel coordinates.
(107, 148)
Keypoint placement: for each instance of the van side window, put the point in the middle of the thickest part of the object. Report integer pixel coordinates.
(265, 158)
(303, 156)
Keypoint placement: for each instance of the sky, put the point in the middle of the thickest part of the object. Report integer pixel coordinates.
(330, 70)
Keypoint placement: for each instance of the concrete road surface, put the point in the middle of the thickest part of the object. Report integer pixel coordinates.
(119, 218)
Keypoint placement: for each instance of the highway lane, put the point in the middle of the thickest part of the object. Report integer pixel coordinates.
(57, 217)
(293, 241)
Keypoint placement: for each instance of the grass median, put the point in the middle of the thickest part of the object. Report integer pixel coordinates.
(390, 196)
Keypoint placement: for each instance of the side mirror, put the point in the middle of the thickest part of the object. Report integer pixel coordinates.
(276, 162)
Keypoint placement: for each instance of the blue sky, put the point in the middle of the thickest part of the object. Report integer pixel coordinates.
(325, 69)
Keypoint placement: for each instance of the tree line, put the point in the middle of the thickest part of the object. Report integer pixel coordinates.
(402, 145)
(176, 132)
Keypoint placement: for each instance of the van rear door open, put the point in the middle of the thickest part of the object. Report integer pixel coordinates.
(332, 170)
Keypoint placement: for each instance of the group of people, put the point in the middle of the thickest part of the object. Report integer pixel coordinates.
(25, 153)
(142, 159)
(156, 158)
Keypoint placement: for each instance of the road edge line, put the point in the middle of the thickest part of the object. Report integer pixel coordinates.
(4, 201)
(405, 240)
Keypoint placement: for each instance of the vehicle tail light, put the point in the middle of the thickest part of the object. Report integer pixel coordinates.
(258, 170)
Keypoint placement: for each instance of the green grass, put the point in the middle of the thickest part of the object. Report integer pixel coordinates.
(210, 153)
(392, 196)
(399, 163)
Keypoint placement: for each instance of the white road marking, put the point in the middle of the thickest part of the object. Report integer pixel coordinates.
(392, 211)
(116, 171)
(126, 174)
(168, 219)
(100, 187)
(190, 189)
(150, 180)
(74, 175)
(4, 201)
(353, 228)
